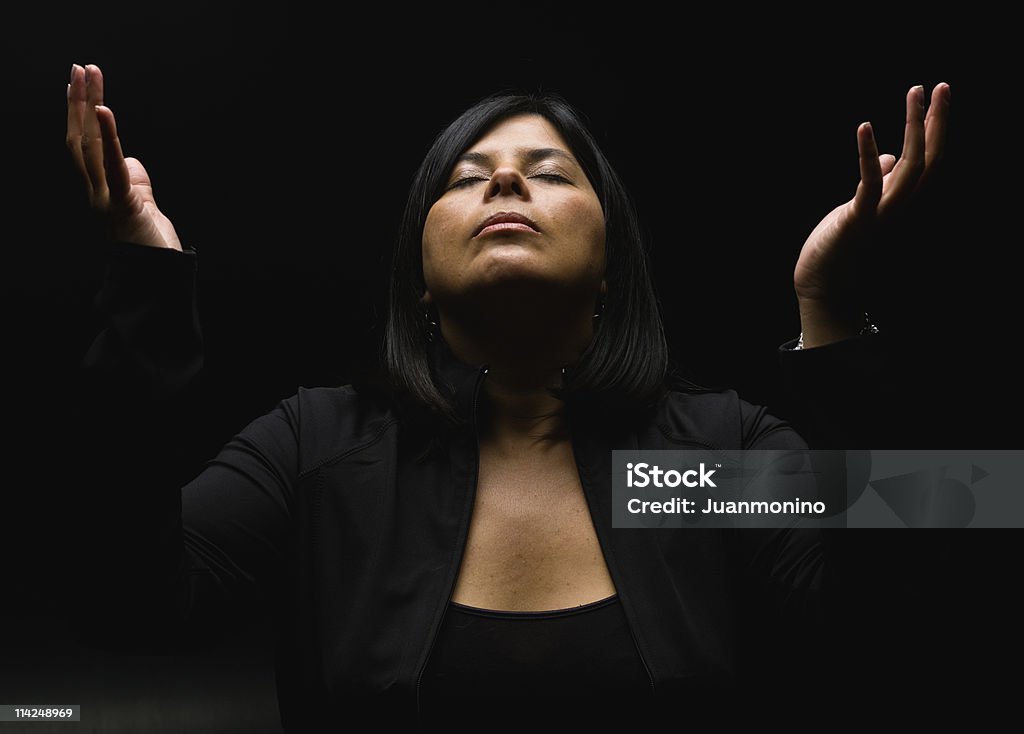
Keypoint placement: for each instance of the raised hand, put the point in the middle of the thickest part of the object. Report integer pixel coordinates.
(119, 188)
(825, 273)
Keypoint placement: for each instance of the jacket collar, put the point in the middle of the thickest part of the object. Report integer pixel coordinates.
(456, 379)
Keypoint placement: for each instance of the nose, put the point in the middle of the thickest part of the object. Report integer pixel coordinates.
(507, 181)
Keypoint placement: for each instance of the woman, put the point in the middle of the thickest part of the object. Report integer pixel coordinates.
(442, 547)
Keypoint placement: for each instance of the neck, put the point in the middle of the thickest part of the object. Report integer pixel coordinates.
(518, 414)
(525, 354)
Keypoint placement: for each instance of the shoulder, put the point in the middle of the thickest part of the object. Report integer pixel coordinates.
(719, 418)
(707, 416)
(349, 411)
(329, 421)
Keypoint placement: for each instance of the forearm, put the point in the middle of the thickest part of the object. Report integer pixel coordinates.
(150, 341)
(132, 421)
(846, 394)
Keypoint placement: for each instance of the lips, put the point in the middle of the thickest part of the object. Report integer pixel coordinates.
(503, 217)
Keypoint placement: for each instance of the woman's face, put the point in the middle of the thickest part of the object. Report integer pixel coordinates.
(521, 168)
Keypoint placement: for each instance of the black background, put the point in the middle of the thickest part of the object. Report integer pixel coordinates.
(282, 144)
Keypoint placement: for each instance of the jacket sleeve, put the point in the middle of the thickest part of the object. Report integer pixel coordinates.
(169, 554)
(839, 396)
(843, 395)
(789, 582)
(786, 567)
(813, 590)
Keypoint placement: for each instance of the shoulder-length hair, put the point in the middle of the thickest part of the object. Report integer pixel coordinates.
(627, 361)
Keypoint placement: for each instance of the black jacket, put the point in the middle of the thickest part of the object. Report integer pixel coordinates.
(339, 510)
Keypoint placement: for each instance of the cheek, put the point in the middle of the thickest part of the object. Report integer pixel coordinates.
(441, 231)
(585, 220)
(444, 224)
(435, 231)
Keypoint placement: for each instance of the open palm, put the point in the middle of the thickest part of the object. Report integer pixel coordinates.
(119, 188)
(825, 273)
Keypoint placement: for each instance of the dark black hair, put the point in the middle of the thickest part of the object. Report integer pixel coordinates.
(627, 361)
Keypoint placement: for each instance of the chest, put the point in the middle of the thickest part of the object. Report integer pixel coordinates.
(532, 543)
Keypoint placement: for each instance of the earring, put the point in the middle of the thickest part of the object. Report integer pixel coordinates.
(600, 309)
(430, 326)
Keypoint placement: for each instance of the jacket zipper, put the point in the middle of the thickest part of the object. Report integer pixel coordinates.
(650, 677)
(465, 526)
(632, 633)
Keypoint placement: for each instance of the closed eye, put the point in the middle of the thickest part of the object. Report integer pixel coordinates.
(466, 180)
(552, 176)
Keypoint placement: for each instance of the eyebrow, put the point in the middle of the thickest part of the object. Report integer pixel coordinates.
(529, 155)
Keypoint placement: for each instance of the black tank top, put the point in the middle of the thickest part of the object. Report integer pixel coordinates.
(506, 669)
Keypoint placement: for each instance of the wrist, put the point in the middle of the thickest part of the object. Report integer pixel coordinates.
(152, 230)
(823, 324)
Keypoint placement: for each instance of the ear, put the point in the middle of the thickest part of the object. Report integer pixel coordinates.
(426, 299)
(604, 287)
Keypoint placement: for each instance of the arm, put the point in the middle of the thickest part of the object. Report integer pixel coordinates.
(162, 565)
(817, 601)
(791, 587)
(787, 568)
(842, 384)
(164, 555)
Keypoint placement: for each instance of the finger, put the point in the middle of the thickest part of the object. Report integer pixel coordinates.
(935, 131)
(909, 167)
(869, 191)
(76, 113)
(887, 162)
(92, 141)
(115, 168)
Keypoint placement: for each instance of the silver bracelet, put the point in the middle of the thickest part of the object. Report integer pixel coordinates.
(868, 328)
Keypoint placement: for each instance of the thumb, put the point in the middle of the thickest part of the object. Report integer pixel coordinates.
(139, 177)
(887, 161)
(137, 172)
